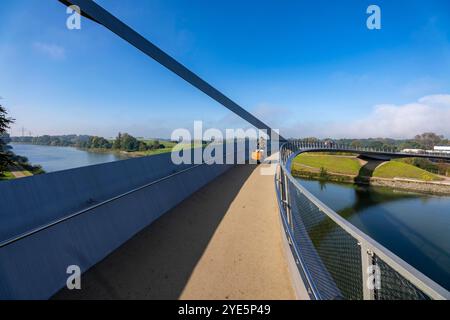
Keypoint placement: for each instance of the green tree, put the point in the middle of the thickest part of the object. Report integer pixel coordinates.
(117, 144)
(142, 146)
(127, 142)
(98, 143)
(157, 145)
(310, 140)
(5, 122)
(428, 139)
(356, 144)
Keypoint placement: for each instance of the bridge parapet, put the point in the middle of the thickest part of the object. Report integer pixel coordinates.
(79, 216)
(335, 259)
(389, 153)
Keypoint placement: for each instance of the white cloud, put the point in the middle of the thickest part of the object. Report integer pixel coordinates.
(436, 100)
(428, 114)
(51, 50)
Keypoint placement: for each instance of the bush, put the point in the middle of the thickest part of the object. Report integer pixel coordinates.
(441, 168)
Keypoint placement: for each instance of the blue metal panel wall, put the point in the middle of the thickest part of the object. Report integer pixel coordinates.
(33, 201)
(35, 267)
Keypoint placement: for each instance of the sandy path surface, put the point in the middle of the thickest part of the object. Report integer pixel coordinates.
(224, 242)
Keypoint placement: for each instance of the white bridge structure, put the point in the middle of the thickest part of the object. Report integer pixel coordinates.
(147, 228)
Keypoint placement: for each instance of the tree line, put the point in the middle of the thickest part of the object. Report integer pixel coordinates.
(425, 141)
(123, 142)
(8, 158)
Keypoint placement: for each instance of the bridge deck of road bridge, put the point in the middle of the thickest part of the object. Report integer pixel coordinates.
(223, 242)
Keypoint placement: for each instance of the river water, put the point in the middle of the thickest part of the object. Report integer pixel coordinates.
(61, 158)
(413, 226)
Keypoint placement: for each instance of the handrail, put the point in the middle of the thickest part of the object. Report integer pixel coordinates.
(323, 147)
(80, 212)
(31, 232)
(310, 283)
(421, 281)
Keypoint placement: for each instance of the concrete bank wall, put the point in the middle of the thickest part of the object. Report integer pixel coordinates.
(35, 266)
(430, 187)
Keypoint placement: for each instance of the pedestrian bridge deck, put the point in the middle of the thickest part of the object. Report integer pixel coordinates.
(223, 242)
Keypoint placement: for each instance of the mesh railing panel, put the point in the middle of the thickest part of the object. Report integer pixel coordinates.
(394, 286)
(332, 256)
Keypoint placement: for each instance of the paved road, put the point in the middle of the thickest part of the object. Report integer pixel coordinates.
(224, 242)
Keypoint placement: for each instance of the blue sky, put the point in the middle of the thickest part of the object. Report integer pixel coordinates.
(305, 67)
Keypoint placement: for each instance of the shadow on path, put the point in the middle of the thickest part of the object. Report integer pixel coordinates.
(158, 262)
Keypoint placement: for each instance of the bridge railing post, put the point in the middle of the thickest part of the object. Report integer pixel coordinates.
(288, 203)
(285, 197)
(367, 272)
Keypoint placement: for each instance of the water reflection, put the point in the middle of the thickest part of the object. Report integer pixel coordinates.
(60, 158)
(413, 226)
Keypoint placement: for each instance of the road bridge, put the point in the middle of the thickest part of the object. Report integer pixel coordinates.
(385, 154)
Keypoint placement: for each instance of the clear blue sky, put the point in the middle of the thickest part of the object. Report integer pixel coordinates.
(306, 67)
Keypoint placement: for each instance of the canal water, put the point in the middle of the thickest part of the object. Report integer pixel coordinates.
(60, 158)
(415, 227)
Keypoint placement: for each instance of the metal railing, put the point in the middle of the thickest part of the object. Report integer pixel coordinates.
(336, 147)
(35, 230)
(335, 259)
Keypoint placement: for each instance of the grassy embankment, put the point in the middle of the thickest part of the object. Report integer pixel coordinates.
(14, 173)
(6, 175)
(168, 147)
(396, 169)
(326, 167)
(351, 169)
